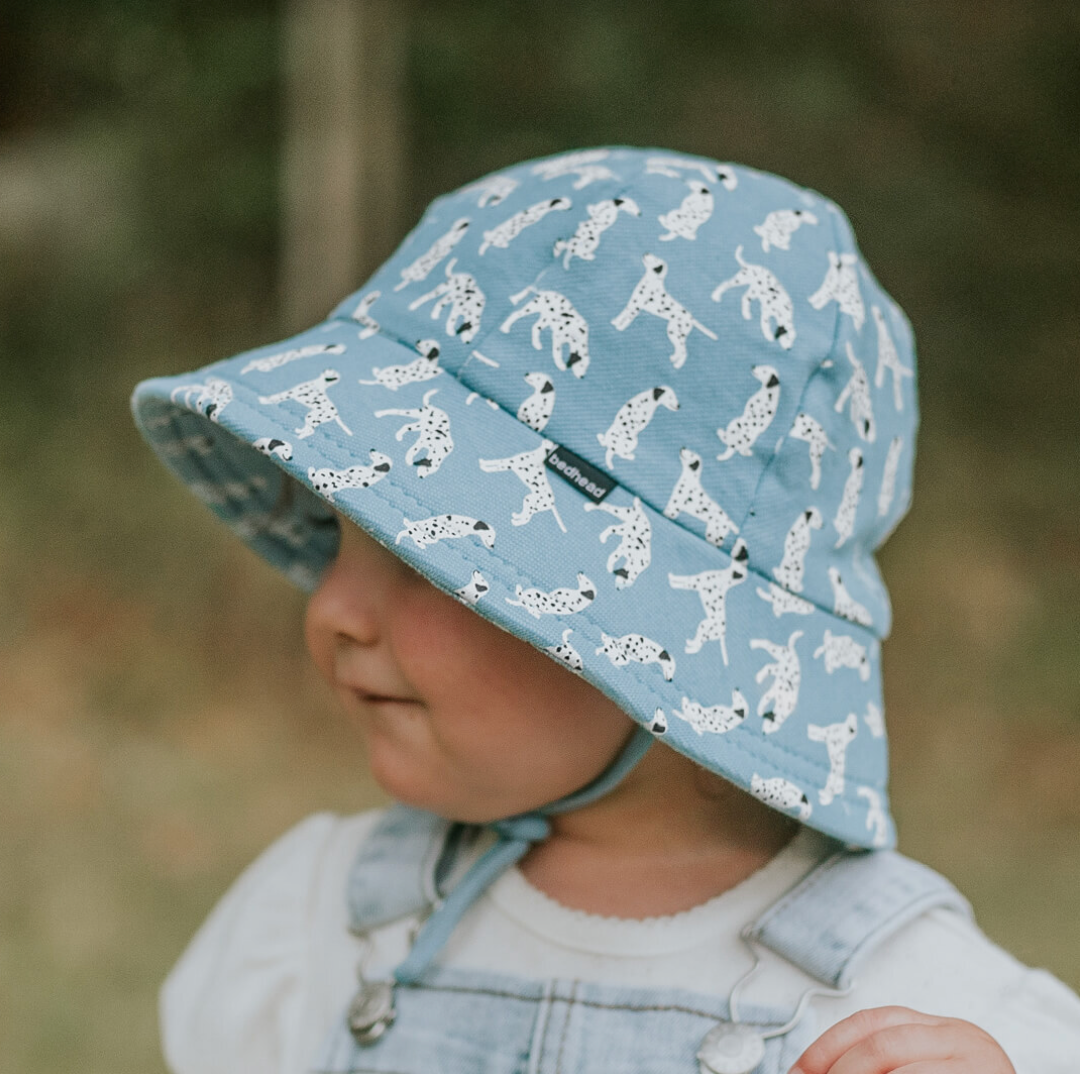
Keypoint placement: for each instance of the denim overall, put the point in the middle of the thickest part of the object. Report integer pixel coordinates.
(457, 1021)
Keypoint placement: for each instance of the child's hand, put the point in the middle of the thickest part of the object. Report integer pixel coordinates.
(883, 1040)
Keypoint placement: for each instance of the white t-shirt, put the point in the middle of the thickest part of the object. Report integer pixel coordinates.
(273, 966)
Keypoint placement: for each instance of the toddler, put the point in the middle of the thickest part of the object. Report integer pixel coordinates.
(585, 485)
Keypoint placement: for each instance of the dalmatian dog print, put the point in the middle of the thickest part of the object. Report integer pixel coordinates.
(844, 522)
(888, 360)
(810, 430)
(841, 285)
(566, 653)
(796, 544)
(779, 701)
(836, 737)
(529, 467)
(659, 723)
(462, 294)
(634, 532)
(888, 478)
(564, 601)
(781, 794)
(844, 604)
(875, 722)
(536, 410)
(428, 531)
(586, 238)
(688, 497)
(362, 315)
(876, 821)
(843, 651)
(783, 602)
(423, 368)
(694, 210)
(650, 296)
(620, 651)
(433, 440)
(275, 361)
(714, 719)
(742, 432)
(673, 167)
(327, 482)
(492, 190)
(210, 398)
(313, 395)
(271, 445)
(857, 390)
(775, 303)
(621, 437)
(423, 265)
(568, 328)
(778, 227)
(473, 590)
(585, 165)
(712, 588)
(508, 230)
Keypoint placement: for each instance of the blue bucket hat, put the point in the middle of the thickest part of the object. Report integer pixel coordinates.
(647, 411)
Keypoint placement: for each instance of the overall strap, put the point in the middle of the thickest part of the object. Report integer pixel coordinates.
(846, 907)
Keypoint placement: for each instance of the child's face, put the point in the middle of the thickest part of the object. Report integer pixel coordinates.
(460, 717)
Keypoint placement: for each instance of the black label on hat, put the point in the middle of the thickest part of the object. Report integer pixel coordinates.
(574, 470)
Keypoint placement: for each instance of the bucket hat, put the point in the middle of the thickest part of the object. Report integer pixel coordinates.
(650, 412)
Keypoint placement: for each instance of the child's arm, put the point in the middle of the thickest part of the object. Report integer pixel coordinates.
(884, 1040)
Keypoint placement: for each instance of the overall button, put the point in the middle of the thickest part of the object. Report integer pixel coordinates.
(372, 1011)
(730, 1048)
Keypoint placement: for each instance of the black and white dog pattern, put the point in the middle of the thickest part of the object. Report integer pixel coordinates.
(796, 544)
(763, 287)
(312, 394)
(586, 238)
(874, 720)
(742, 432)
(584, 164)
(857, 390)
(568, 328)
(362, 315)
(778, 227)
(712, 587)
(433, 439)
(781, 794)
(529, 467)
(888, 477)
(714, 719)
(843, 651)
(844, 522)
(535, 410)
(275, 361)
(650, 295)
(876, 821)
(210, 397)
(566, 653)
(509, 229)
(836, 737)
(620, 651)
(779, 701)
(423, 265)
(810, 430)
(688, 497)
(844, 604)
(492, 189)
(694, 210)
(659, 723)
(423, 368)
(673, 167)
(462, 294)
(621, 437)
(635, 540)
(783, 602)
(841, 285)
(272, 445)
(888, 359)
(473, 590)
(565, 601)
(427, 531)
(328, 481)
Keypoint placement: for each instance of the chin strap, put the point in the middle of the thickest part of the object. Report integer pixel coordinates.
(516, 836)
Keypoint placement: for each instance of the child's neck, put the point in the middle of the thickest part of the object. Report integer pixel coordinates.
(668, 838)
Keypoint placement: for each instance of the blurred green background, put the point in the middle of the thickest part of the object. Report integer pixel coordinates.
(179, 181)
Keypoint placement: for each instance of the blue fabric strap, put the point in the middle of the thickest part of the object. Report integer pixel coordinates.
(516, 835)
